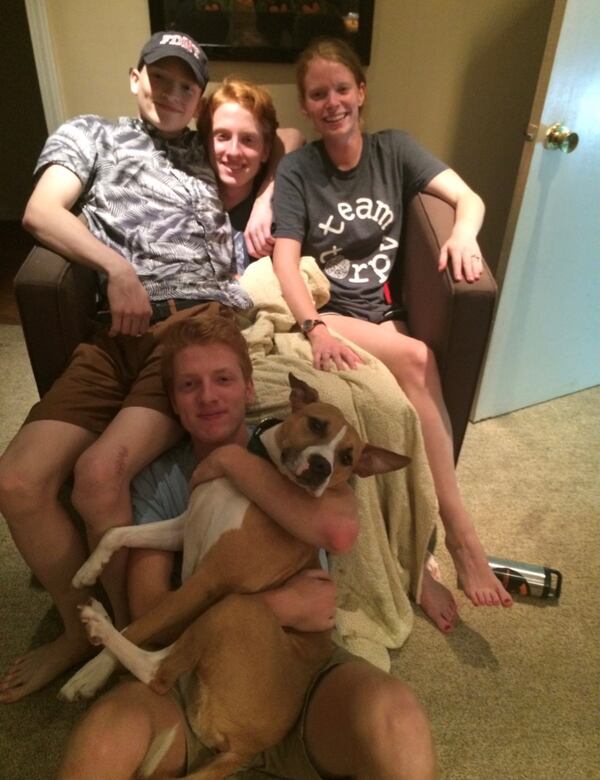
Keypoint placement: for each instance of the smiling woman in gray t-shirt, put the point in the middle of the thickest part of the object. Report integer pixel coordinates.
(341, 199)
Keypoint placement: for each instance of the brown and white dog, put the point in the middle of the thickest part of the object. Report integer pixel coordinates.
(244, 677)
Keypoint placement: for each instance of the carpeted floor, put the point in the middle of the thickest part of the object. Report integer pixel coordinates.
(512, 695)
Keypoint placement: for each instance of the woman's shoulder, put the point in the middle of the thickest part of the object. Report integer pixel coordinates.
(390, 138)
(397, 145)
(300, 158)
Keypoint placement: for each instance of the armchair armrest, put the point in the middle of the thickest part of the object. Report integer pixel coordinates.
(452, 318)
(57, 302)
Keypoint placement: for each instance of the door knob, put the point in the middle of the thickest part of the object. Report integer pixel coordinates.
(560, 137)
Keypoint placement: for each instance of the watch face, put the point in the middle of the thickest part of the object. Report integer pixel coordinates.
(309, 325)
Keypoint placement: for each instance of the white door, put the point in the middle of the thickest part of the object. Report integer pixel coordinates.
(546, 335)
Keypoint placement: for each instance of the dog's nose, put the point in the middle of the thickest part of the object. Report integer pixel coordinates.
(319, 466)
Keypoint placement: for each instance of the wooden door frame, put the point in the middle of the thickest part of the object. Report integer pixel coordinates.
(533, 133)
(45, 63)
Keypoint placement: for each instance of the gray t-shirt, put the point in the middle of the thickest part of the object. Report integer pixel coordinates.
(154, 201)
(351, 221)
(160, 491)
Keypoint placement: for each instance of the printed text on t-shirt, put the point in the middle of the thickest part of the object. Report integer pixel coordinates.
(333, 261)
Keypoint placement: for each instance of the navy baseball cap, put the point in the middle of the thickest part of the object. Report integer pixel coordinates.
(169, 43)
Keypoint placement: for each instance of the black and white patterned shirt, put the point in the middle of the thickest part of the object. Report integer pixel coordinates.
(155, 202)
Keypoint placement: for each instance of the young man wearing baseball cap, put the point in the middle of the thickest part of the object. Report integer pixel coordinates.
(168, 82)
(156, 233)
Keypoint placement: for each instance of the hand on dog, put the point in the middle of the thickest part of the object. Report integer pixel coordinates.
(213, 466)
(306, 602)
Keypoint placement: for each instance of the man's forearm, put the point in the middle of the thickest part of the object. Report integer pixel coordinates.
(329, 522)
(306, 602)
(49, 218)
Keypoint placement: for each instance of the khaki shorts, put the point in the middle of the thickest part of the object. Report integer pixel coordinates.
(111, 373)
(289, 759)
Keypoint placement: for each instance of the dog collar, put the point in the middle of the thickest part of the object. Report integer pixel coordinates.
(255, 444)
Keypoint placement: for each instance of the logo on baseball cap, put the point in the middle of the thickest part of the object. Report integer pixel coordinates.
(175, 44)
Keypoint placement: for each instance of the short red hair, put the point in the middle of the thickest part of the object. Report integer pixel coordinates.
(248, 95)
(200, 331)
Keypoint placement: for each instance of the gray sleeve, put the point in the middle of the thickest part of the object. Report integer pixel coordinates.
(147, 501)
(160, 491)
(74, 146)
(289, 199)
(419, 166)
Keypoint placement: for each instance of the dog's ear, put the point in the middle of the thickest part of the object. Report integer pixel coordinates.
(301, 393)
(376, 460)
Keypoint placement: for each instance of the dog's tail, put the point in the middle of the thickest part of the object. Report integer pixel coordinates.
(157, 750)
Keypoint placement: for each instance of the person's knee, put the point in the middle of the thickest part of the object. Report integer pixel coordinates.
(415, 365)
(149, 574)
(115, 736)
(99, 480)
(396, 719)
(13, 486)
(117, 725)
(21, 491)
(404, 714)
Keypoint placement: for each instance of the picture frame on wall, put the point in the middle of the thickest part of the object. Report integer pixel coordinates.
(265, 30)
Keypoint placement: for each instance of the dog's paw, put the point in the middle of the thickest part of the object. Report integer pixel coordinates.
(92, 568)
(90, 678)
(96, 621)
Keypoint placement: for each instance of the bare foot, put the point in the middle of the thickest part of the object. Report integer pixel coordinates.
(433, 567)
(438, 603)
(40, 666)
(475, 577)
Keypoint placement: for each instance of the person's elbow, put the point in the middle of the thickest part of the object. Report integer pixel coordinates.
(339, 534)
(30, 218)
(478, 201)
(34, 218)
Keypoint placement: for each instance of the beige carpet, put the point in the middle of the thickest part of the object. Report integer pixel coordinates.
(512, 695)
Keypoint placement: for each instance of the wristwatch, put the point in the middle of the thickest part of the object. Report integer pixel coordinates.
(309, 325)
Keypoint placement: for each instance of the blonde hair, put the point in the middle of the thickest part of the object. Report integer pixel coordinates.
(252, 97)
(333, 50)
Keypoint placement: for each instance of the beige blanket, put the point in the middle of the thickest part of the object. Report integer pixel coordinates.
(397, 510)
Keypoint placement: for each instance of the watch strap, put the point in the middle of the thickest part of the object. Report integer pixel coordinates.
(309, 325)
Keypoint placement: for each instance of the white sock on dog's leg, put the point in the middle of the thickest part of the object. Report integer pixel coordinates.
(141, 663)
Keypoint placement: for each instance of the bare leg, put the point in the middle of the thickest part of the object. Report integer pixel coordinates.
(102, 478)
(148, 579)
(365, 724)
(114, 736)
(32, 470)
(415, 370)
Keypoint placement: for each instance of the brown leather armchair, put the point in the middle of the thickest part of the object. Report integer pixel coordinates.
(57, 304)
